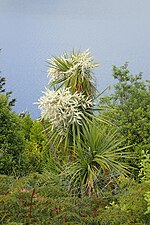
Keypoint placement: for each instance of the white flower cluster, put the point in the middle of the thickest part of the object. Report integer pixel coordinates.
(63, 108)
(83, 60)
(76, 61)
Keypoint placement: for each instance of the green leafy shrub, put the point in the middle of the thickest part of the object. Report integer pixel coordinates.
(147, 198)
(128, 106)
(129, 205)
(36, 146)
(144, 174)
(12, 140)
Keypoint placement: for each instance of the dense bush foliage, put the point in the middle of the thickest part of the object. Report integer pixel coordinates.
(129, 109)
(11, 139)
(23, 146)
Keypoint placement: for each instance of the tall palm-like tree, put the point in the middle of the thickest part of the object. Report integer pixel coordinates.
(71, 101)
(94, 150)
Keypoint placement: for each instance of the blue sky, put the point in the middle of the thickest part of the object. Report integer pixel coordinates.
(32, 31)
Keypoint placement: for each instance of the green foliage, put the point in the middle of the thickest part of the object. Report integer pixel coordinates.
(41, 199)
(98, 159)
(147, 198)
(12, 141)
(27, 124)
(128, 207)
(36, 148)
(33, 158)
(44, 199)
(23, 144)
(3, 91)
(129, 107)
(144, 173)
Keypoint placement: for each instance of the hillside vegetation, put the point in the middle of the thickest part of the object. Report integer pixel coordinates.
(86, 160)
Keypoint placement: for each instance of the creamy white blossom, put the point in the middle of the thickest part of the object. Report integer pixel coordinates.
(63, 108)
(66, 66)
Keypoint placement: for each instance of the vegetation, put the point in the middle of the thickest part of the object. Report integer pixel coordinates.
(11, 139)
(2, 90)
(77, 164)
(129, 107)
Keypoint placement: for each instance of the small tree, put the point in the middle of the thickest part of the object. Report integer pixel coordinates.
(69, 108)
(11, 139)
(129, 107)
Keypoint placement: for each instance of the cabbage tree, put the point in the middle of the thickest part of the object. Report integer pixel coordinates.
(68, 102)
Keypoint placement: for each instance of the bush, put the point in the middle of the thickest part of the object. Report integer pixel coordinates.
(129, 205)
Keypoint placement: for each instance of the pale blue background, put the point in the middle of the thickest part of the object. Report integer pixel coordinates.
(33, 30)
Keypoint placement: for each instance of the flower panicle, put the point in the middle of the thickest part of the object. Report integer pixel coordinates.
(63, 108)
(63, 67)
